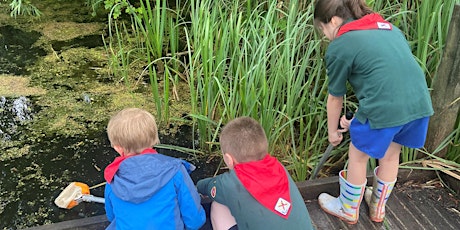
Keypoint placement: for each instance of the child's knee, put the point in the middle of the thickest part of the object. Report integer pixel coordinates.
(221, 217)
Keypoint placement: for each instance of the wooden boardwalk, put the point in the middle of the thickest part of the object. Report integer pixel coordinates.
(414, 204)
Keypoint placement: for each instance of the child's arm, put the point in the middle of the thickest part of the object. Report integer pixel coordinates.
(215, 187)
(202, 186)
(190, 207)
(108, 203)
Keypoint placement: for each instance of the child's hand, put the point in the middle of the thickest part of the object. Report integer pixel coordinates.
(203, 196)
(344, 124)
(335, 137)
(345, 121)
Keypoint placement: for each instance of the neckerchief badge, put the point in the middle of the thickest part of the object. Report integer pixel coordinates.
(282, 206)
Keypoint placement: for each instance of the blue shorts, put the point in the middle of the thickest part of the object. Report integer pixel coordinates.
(375, 142)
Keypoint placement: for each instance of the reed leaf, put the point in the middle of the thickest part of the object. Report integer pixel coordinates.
(261, 59)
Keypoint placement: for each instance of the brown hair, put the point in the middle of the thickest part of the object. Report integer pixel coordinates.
(345, 9)
(133, 129)
(245, 139)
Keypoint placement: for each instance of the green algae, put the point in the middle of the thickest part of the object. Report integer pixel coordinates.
(64, 31)
(73, 93)
(12, 150)
(83, 95)
(15, 86)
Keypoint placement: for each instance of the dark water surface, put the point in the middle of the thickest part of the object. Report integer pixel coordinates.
(29, 183)
(17, 50)
(38, 161)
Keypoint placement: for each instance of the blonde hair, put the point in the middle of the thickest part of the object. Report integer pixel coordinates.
(133, 129)
(245, 139)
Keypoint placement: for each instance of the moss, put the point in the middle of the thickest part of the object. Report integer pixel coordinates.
(14, 86)
(12, 150)
(73, 94)
(82, 94)
(64, 31)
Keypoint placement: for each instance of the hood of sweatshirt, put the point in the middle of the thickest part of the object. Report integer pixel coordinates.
(138, 177)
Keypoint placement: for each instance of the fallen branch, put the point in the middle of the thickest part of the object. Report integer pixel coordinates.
(443, 167)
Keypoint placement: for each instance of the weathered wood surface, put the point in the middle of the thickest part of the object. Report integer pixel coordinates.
(446, 88)
(312, 188)
(88, 223)
(410, 207)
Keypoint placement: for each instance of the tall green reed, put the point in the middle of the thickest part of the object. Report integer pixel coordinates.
(259, 59)
(266, 64)
(153, 39)
(425, 24)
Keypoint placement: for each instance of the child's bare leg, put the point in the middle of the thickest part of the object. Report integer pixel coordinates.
(221, 217)
(388, 165)
(357, 165)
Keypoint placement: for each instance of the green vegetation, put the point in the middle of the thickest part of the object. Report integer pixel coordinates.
(23, 7)
(260, 59)
(27, 7)
(263, 59)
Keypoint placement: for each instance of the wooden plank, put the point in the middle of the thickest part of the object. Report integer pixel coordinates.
(443, 221)
(438, 204)
(364, 222)
(445, 88)
(310, 189)
(320, 219)
(422, 220)
(88, 223)
(453, 183)
(402, 212)
(398, 214)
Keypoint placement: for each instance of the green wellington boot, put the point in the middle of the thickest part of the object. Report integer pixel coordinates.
(346, 206)
(377, 198)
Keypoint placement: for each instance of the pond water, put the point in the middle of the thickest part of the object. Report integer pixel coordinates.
(17, 50)
(57, 136)
(30, 183)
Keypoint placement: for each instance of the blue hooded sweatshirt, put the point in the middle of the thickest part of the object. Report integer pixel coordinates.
(152, 191)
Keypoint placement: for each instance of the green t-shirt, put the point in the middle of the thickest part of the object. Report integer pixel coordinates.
(387, 80)
(227, 189)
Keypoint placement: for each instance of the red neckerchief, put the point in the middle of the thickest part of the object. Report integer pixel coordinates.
(368, 22)
(267, 181)
(112, 168)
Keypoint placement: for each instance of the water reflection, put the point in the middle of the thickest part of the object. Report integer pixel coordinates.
(17, 50)
(13, 112)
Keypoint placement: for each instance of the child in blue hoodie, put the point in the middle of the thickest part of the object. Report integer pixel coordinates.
(145, 189)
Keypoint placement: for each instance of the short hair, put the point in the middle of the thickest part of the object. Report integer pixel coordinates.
(133, 129)
(245, 139)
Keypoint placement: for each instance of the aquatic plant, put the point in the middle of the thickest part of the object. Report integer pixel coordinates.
(28, 8)
(23, 7)
(256, 58)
